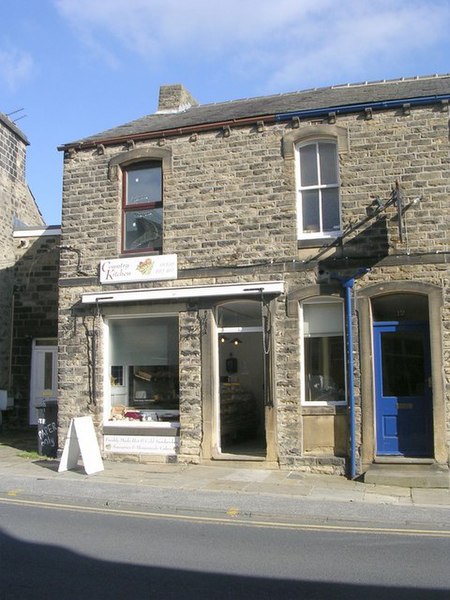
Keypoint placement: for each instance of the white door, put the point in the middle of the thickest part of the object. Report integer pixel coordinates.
(43, 385)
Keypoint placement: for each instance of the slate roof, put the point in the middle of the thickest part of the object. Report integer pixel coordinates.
(318, 98)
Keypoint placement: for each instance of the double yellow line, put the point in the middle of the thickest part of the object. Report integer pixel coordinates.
(232, 518)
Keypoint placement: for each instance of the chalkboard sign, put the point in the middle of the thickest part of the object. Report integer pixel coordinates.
(47, 429)
(47, 438)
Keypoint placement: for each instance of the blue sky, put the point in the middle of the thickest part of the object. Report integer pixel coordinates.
(77, 67)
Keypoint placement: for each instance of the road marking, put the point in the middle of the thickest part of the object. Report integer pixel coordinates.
(226, 521)
(14, 492)
(233, 511)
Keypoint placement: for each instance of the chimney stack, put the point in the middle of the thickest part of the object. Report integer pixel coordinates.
(174, 98)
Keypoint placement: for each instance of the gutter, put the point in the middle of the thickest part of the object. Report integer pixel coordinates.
(188, 129)
(270, 118)
(352, 108)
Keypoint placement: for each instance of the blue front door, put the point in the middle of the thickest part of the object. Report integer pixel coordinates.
(403, 389)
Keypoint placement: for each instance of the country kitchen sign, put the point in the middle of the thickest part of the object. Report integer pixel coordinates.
(142, 268)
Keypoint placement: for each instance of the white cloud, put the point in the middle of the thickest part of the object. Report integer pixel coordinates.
(202, 27)
(283, 43)
(16, 67)
(389, 37)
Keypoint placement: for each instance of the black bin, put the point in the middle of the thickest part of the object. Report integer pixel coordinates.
(48, 429)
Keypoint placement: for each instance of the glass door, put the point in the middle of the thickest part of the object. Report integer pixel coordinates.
(242, 380)
(43, 385)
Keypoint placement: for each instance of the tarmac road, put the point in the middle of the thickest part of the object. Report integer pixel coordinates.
(52, 552)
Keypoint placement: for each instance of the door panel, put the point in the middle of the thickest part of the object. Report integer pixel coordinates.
(402, 393)
(43, 387)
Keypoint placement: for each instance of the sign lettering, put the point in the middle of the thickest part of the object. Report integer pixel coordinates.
(142, 268)
(141, 444)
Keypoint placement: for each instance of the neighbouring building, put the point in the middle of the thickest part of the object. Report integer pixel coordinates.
(264, 280)
(28, 289)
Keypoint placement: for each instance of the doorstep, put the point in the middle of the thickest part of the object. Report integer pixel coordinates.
(408, 474)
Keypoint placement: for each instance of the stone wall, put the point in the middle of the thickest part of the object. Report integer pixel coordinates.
(80, 343)
(238, 192)
(190, 384)
(17, 205)
(230, 215)
(12, 150)
(34, 312)
(17, 200)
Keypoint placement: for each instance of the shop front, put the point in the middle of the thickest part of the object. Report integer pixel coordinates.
(186, 371)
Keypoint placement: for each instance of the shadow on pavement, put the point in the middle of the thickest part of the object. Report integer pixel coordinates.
(51, 465)
(23, 440)
(31, 571)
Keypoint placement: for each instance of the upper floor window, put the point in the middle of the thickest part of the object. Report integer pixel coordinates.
(318, 190)
(142, 207)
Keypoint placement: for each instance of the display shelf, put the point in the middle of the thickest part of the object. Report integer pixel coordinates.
(238, 415)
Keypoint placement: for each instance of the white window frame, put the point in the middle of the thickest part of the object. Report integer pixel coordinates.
(319, 300)
(301, 234)
(107, 405)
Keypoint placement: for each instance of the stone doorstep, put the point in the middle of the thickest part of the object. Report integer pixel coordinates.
(408, 475)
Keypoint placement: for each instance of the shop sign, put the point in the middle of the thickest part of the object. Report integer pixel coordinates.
(141, 444)
(140, 268)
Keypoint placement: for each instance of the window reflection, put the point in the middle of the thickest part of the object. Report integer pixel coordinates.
(143, 229)
(144, 184)
(144, 372)
(403, 363)
(143, 208)
(323, 351)
(48, 371)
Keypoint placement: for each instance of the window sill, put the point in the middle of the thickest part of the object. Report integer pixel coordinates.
(136, 423)
(317, 242)
(329, 409)
(139, 428)
(131, 253)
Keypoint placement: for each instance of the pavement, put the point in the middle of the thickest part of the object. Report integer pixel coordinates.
(218, 490)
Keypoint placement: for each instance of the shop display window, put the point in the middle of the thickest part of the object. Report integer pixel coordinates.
(144, 371)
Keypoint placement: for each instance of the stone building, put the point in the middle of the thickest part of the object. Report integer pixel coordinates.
(264, 281)
(28, 288)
